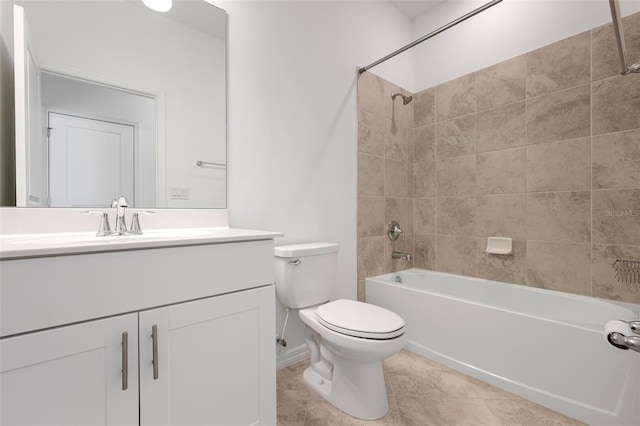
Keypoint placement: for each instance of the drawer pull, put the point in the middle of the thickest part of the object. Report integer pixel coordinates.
(154, 338)
(125, 360)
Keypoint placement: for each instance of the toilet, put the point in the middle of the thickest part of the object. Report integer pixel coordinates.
(347, 340)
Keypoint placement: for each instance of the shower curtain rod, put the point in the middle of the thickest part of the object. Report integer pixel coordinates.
(617, 30)
(431, 34)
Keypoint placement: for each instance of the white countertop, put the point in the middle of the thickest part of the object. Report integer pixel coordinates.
(16, 246)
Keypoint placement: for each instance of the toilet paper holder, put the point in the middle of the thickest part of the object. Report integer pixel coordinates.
(621, 341)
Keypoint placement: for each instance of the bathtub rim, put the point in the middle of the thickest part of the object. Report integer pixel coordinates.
(633, 309)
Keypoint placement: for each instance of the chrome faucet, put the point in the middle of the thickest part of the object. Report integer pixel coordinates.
(401, 255)
(120, 204)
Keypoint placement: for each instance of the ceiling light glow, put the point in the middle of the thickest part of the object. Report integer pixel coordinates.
(158, 5)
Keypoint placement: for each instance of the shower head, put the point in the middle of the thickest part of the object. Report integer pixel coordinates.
(405, 99)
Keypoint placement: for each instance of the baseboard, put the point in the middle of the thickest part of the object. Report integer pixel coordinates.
(292, 356)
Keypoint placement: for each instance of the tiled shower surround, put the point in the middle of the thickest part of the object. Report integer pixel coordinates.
(543, 148)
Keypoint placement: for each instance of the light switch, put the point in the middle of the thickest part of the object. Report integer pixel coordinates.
(179, 193)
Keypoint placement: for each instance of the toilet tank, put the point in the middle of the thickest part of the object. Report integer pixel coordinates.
(305, 273)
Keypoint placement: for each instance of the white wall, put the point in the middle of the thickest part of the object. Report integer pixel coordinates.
(7, 169)
(292, 118)
(186, 65)
(292, 127)
(504, 31)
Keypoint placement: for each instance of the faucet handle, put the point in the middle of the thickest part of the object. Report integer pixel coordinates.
(121, 201)
(103, 229)
(135, 221)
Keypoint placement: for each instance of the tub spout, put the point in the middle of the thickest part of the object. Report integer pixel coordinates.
(401, 255)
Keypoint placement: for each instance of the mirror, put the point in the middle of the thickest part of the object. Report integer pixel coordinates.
(120, 100)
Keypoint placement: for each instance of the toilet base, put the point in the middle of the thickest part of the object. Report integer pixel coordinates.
(355, 388)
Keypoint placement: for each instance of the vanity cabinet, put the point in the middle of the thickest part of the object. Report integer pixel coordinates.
(198, 352)
(211, 365)
(70, 375)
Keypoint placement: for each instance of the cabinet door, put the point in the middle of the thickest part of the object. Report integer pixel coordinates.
(70, 375)
(216, 361)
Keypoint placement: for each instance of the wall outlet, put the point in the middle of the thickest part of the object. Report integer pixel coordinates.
(179, 193)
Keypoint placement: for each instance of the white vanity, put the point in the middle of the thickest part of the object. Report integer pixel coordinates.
(170, 328)
(175, 326)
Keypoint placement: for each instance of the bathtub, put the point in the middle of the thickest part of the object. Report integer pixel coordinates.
(543, 345)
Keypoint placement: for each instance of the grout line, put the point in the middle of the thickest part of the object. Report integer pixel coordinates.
(591, 162)
(475, 153)
(505, 105)
(611, 77)
(526, 175)
(475, 185)
(306, 407)
(435, 177)
(616, 245)
(384, 171)
(564, 89)
(498, 194)
(635, 129)
(622, 188)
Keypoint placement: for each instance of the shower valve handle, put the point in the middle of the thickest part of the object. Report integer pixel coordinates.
(394, 231)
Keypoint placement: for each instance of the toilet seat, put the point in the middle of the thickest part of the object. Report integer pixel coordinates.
(359, 319)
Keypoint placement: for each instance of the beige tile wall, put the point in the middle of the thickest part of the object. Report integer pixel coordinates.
(385, 174)
(543, 148)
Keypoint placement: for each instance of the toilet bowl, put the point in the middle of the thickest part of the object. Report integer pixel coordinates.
(346, 369)
(347, 340)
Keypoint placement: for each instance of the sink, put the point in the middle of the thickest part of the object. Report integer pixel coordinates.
(177, 233)
(66, 239)
(44, 244)
(91, 238)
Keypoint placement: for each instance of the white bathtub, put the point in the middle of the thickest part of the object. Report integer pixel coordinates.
(543, 345)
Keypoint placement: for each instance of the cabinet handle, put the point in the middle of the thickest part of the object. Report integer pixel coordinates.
(125, 360)
(154, 338)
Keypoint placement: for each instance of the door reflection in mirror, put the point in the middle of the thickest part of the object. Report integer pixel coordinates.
(89, 160)
(98, 138)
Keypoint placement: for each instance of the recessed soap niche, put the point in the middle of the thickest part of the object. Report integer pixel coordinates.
(499, 245)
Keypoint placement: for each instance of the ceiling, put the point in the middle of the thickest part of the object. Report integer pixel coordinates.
(415, 8)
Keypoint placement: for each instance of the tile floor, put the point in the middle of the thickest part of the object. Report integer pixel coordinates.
(421, 392)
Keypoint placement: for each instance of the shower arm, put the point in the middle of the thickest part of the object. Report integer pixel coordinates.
(430, 35)
(619, 33)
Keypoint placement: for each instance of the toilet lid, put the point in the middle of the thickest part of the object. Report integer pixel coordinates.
(360, 319)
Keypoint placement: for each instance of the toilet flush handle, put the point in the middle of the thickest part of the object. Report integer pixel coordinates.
(296, 262)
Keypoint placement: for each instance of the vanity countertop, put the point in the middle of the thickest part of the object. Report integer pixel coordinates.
(17, 246)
